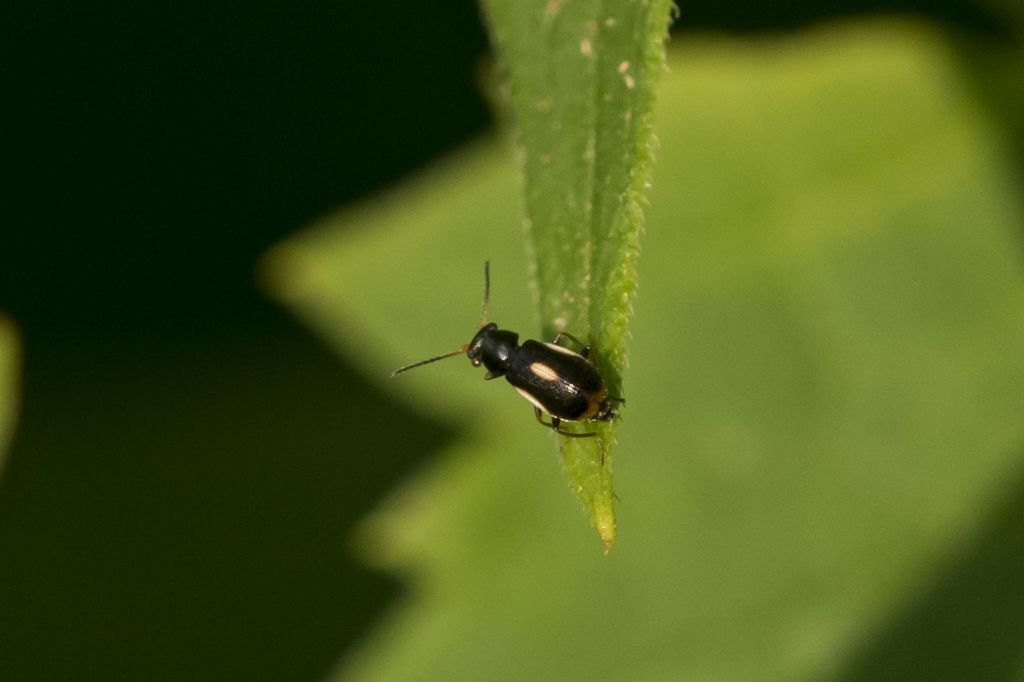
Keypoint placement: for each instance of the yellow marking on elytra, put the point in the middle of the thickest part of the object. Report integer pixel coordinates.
(543, 371)
(536, 403)
(560, 349)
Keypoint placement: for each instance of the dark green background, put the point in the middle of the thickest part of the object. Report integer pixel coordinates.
(189, 459)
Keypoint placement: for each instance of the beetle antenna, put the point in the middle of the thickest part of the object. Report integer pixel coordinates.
(487, 292)
(459, 351)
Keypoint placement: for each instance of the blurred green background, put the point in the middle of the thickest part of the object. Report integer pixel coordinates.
(830, 323)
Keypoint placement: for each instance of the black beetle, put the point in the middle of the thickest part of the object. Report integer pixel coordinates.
(555, 379)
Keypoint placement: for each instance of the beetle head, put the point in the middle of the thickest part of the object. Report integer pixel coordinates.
(492, 348)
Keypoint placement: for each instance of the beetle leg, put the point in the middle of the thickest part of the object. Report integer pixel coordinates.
(555, 425)
(589, 434)
(537, 413)
(584, 351)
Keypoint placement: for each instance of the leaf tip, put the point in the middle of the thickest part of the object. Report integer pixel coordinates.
(607, 533)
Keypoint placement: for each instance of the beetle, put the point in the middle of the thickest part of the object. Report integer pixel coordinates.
(557, 380)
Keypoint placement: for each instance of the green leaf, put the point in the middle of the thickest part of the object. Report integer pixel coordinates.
(582, 78)
(9, 357)
(826, 383)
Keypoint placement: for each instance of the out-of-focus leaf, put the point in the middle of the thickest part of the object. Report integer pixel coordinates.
(9, 355)
(582, 78)
(826, 382)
